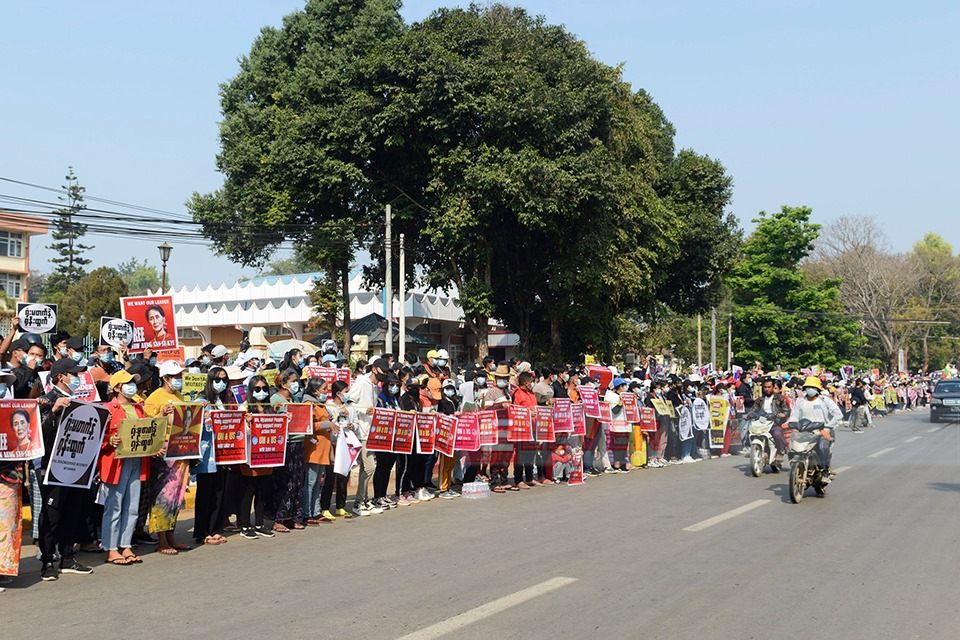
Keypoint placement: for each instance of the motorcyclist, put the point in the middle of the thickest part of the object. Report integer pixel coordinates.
(816, 406)
(773, 406)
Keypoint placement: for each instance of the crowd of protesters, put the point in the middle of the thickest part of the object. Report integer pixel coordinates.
(136, 502)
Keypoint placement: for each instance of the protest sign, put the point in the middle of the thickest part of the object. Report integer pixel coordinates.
(76, 448)
(590, 400)
(701, 415)
(603, 376)
(488, 426)
(444, 436)
(171, 354)
(86, 392)
(344, 375)
(141, 437)
(631, 409)
(327, 373)
(562, 415)
(719, 414)
(301, 418)
(648, 419)
(37, 318)
(20, 437)
(579, 419)
(543, 425)
(403, 432)
(268, 440)
(606, 413)
(382, 426)
(239, 392)
(663, 408)
(520, 425)
(467, 432)
(426, 426)
(229, 433)
(193, 384)
(576, 474)
(738, 404)
(348, 448)
(153, 321)
(186, 427)
(115, 332)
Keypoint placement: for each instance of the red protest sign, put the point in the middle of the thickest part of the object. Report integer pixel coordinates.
(86, 392)
(20, 437)
(327, 373)
(382, 425)
(446, 429)
(467, 433)
(648, 419)
(171, 354)
(606, 413)
(591, 401)
(631, 409)
(153, 322)
(426, 426)
(579, 419)
(520, 425)
(403, 432)
(562, 415)
(344, 374)
(487, 424)
(229, 431)
(186, 427)
(543, 425)
(268, 440)
(301, 418)
(601, 375)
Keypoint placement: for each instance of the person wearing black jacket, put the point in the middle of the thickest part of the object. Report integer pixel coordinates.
(63, 507)
(858, 401)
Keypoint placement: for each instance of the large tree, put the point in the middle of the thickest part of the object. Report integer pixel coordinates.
(140, 277)
(92, 296)
(69, 262)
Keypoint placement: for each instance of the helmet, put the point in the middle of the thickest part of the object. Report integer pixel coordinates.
(443, 355)
(812, 381)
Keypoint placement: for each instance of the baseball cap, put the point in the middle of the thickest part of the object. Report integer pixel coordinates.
(170, 368)
(618, 381)
(123, 377)
(75, 343)
(433, 354)
(329, 358)
(219, 351)
(381, 363)
(207, 348)
(66, 365)
(20, 344)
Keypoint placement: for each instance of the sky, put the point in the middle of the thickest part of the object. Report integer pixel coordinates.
(846, 107)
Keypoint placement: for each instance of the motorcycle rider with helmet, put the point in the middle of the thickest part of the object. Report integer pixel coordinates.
(772, 405)
(816, 406)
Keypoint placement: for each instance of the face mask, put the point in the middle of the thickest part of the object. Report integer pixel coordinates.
(63, 351)
(322, 397)
(503, 383)
(207, 362)
(106, 357)
(193, 369)
(77, 356)
(176, 384)
(153, 361)
(219, 386)
(3, 389)
(481, 383)
(129, 390)
(393, 389)
(31, 360)
(260, 395)
(381, 377)
(441, 363)
(691, 389)
(73, 384)
(294, 387)
(812, 393)
(450, 392)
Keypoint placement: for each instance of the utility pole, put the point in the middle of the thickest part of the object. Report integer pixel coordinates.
(730, 342)
(388, 291)
(699, 340)
(403, 300)
(713, 338)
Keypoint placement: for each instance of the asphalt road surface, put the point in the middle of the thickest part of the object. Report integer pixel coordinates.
(694, 551)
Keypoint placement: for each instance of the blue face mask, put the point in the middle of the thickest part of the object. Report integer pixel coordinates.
(207, 362)
(294, 387)
(63, 351)
(77, 356)
(322, 397)
(153, 361)
(300, 362)
(219, 386)
(176, 384)
(73, 384)
(129, 389)
(106, 357)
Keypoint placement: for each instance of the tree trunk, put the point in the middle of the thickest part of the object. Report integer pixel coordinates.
(556, 340)
(345, 291)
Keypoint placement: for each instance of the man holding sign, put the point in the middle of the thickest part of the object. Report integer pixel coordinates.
(121, 477)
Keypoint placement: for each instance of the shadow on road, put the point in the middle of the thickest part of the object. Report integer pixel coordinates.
(945, 486)
(781, 490)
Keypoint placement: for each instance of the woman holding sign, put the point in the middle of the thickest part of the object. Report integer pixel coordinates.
(288, 479)
(211, 479)
(318, 457)
(121, 477)
(11, 504)
(256, 482)
(169, 477)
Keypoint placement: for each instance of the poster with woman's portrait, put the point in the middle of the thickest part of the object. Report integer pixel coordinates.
(153, 323)
(20, 437)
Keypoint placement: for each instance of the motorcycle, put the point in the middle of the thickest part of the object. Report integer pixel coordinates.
(806, 467)
(763, 449)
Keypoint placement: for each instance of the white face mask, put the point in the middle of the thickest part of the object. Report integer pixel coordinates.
(503, 383)
(812, 393)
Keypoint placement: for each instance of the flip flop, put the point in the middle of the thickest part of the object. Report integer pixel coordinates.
(280, 528)
(168, 551)
(134, 559)
(122, 561)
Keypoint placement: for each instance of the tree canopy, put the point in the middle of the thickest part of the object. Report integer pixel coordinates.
(92, 296)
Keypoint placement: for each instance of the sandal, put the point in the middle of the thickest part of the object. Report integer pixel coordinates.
(211, 540)
(498, 490)
(279, 527)
(297, 525)
(134, 559)
(122, 561)
(168, 551)
(179, 546)
(511, 487)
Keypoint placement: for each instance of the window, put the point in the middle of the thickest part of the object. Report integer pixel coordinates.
(11, 244)
(10, 283)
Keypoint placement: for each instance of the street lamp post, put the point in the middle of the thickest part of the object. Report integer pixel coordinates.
(164, 256)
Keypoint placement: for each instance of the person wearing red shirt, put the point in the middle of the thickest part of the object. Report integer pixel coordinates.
(523, 464)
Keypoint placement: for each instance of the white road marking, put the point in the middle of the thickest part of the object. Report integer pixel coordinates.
(842, 469)
(733, 513)
(491, 608)
(913, 439)
(932, 429)
(881, 452)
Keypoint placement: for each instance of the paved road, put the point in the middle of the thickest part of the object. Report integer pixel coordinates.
(877, 558)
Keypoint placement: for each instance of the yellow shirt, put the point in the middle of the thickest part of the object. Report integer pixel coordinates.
(154, 404)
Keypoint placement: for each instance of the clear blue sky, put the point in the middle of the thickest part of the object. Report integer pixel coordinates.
(848, 107)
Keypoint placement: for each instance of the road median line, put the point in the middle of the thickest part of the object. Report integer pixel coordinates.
(733, 513)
